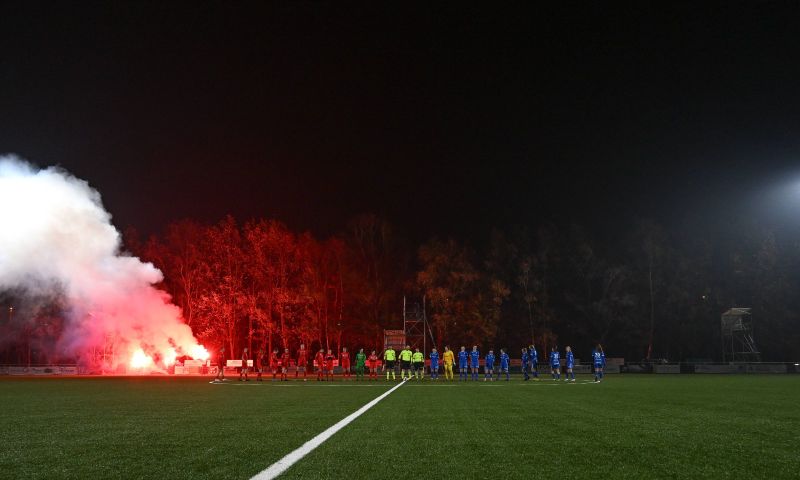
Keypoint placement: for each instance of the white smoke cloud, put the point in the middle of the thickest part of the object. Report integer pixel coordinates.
(55, 233)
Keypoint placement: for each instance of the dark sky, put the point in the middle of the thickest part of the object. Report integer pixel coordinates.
(446, 118)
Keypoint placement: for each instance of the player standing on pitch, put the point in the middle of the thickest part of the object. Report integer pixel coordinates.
(221, 366)
(488, 368)
(389, 357)
(533, 361)
(344, 362)
(448, 359)
(463, 358)
(435, 364)
(599, 360)
(373, 365)
(504, 364)
(243, 371)
(329, 358)
(259, 364)
(319, 359)
(555, 363)
(570, 365)
(274, 363)
(525, 364)
(361, 360)
(286, 359)
(475, 361)
(302, 361)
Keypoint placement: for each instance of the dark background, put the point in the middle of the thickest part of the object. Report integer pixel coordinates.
(642, 159)
(447, 119)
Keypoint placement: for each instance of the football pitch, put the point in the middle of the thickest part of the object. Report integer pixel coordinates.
(628, 426)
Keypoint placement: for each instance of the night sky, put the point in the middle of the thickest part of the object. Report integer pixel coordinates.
(447, 119)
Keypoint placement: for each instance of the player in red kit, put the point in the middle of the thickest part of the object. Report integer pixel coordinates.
(285, 358)
(302, 361)
(329, 358)
(260, 364)
(372, 362)
(320, 361)
(344, 362)
(243, 371)
(273, 363)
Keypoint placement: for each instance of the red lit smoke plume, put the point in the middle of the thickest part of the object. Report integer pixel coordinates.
(56, 239)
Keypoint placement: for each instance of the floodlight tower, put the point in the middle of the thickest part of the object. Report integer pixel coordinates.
(738, 344)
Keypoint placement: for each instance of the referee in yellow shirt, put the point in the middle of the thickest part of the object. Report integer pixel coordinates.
(405, 362)
(389, 357)
(418, 364)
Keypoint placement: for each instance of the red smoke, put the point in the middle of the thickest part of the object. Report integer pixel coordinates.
(57, 240)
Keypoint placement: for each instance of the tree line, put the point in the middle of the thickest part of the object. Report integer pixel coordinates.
(648, 294)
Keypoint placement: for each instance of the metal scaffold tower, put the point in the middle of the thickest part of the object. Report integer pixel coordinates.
(738, 344)
(415, 325)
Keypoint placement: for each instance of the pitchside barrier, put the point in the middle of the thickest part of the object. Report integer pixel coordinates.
(39, 370)
(613, 365)
(718, 368)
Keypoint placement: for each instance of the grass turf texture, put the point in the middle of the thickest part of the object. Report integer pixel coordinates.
(682, 426)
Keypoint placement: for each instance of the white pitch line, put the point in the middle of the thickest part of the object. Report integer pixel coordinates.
(290, 459)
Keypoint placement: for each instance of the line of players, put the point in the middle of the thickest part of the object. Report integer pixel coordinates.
(412, 364)
(469, 364)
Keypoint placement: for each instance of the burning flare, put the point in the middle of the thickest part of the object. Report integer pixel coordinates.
(140, 360)
(57, 241)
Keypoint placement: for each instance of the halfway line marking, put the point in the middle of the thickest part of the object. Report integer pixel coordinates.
(291, 458)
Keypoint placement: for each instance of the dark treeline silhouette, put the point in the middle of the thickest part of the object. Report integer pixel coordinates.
(649, 294)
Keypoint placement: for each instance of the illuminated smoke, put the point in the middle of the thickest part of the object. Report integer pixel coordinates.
(56, 239)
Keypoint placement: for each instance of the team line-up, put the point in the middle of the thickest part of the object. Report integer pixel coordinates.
(412, 364)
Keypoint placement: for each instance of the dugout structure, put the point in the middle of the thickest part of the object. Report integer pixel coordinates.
(738, 344)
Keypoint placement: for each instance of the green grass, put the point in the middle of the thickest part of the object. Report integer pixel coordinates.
(681, 426)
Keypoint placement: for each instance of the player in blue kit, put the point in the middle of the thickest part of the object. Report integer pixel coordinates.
(474, 362)
(525, 364)
(599, 360)
(504, 362)
(570, 364)
(434, 364)
(555, 364)
(533, 361)
(488, 368)
(463, 357)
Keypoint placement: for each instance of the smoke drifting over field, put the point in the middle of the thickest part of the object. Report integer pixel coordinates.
(57, 241)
